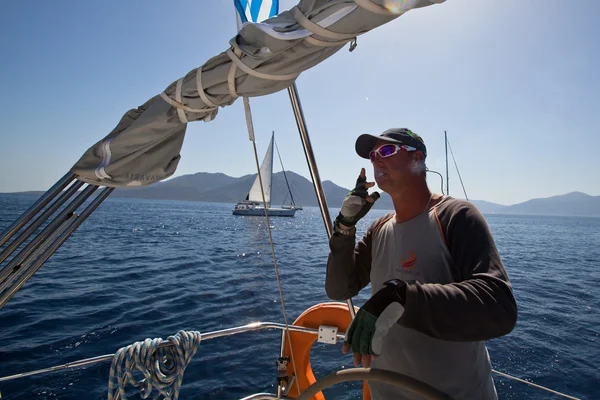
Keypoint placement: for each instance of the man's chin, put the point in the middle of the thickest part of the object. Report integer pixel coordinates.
(383, 182)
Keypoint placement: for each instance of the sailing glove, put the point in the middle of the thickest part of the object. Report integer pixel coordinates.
(356, 205)
(374, 320)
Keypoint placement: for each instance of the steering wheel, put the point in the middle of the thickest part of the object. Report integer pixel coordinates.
(377, 375)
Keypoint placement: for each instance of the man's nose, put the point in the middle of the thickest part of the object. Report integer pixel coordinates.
(377, 159)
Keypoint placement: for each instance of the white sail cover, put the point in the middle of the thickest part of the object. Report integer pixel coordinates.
(266, 172)
(262, 58)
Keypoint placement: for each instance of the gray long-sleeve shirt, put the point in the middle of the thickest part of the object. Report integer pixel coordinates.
(458, 295)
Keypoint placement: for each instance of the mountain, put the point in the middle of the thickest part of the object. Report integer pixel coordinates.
(487, 207)
(574, 204)
(218, 187)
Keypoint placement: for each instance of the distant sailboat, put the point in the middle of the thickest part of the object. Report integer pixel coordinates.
(253, 205)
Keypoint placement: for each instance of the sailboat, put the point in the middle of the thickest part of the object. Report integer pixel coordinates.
(254, 205)
(144, 149)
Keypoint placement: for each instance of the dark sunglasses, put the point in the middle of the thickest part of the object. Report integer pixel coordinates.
(388, 150)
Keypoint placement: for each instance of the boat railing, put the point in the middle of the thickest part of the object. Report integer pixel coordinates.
(255, 326)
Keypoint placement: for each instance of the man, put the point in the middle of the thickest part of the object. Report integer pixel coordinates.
(439, 288)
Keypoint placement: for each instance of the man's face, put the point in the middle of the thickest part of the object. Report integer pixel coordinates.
(391, 173)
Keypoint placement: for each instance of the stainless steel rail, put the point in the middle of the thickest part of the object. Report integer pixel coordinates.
(25, 264)
(23, 236)
(36, 207)
(312, 166)
(256, 326)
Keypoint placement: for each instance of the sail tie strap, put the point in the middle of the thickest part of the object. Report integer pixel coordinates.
(235, 57)
(375, 8)
(162, 368)
(200, 89)
(318, 30)
(179, 105)
(178, 102)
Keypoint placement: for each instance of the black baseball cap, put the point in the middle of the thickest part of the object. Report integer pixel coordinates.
(365, 142)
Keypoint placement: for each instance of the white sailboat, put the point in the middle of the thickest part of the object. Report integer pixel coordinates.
(254, 205)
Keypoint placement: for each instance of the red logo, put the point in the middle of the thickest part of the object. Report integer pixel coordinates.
(408, 261)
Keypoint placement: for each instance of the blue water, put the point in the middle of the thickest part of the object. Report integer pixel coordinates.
(138, 269)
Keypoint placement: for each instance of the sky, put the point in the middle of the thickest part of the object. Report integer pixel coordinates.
(515, 84)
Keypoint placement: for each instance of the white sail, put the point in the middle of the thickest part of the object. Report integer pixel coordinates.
(266, 170)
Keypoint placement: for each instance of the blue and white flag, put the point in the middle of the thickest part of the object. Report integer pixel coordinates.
(255, 10)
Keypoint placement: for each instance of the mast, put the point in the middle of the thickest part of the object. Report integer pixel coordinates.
(447, 178)
(312, 166)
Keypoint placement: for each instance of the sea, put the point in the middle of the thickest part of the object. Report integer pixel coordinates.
(140, 269)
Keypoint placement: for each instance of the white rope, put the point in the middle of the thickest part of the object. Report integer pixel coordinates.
(162, 368)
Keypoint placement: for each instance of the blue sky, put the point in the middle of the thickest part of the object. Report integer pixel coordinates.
(515, 84)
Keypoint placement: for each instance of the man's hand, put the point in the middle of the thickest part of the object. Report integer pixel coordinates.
(373, 321)
(357, 203)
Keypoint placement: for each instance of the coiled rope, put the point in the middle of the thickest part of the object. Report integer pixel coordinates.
(162, 367)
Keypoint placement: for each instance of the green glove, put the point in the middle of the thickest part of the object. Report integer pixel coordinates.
(357, 203)
(374, 320)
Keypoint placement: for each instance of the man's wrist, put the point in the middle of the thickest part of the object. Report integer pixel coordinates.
(346, 227)
(399, 288)
(343, 229)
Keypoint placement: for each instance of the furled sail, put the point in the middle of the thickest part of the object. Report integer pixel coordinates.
(263, 58)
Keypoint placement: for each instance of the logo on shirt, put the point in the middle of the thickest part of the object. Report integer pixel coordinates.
(408, 261)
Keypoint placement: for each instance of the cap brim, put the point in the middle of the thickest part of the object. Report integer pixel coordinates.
(365, 143)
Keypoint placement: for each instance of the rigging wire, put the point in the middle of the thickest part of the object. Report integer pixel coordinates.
(456, 166)
(285, 321)
(284, 175)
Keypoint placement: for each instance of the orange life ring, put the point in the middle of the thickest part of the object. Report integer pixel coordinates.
(330, 314)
